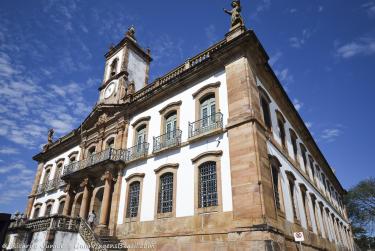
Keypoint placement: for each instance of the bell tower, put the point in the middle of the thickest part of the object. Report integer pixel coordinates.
(126, 70)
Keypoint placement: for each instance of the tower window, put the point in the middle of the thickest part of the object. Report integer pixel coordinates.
(114, 67)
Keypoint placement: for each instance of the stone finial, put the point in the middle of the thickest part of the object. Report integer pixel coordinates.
(236, 18)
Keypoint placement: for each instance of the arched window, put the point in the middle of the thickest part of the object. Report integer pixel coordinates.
(91, 151)
(306, 206)
(207, 185)
(48, 210)
(171, 125)
(312, 168)
(61, 207)
(47, 174)
(208, 110)
(114, 67)
(275, 172)
(58, 170)
(292, 192)
(166, 193)
(303, 154)
(281, 127)
(293, 139)
(265, 107)
(36, 212)
(140, 138)
(133, 199)
(110, 143)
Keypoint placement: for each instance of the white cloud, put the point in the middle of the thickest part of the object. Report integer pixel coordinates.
(261, 7)
(274, 58)
(363, 46)
(211, 35)
(369, 8)
(8, 150)
(284, 75)
(320, 8)
(308, 124)
(293, 10)
(297, 104)
(299, 41)
(330, 134)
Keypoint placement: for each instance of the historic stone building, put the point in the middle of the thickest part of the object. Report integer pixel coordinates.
(211, 156)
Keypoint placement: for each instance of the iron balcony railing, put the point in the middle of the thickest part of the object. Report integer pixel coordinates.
(206, 124)
(50, 185)
(135, 152)
(167, 140)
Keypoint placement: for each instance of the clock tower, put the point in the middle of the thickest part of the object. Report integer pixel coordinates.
(126, 70)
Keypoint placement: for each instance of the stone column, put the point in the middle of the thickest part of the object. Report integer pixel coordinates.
(107, 177)
(85, 198)
(115, 202)
(68, 200)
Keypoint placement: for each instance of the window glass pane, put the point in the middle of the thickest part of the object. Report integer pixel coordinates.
(166, 193)
(133, 199)
(208, 185)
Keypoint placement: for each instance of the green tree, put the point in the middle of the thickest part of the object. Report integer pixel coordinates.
(360, 203)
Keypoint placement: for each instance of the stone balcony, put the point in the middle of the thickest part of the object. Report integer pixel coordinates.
(111, 155)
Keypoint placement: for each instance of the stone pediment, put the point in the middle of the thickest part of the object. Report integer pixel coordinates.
(100, 115)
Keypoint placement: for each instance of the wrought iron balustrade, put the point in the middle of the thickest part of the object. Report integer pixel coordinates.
(167, 140)
(50, 185)
(127, 155)
(138, 151)
(206, 124)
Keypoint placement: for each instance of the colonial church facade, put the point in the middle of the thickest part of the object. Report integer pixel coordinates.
(211, 156)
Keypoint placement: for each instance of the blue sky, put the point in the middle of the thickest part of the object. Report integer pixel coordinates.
(51, 63)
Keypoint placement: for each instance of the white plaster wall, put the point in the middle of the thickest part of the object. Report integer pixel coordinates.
(38, 241)
(183, 156)
(81, 244)
(137, 70)
(69, 241)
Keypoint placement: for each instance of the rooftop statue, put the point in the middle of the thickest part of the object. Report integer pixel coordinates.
(235, 13)
(50, 136)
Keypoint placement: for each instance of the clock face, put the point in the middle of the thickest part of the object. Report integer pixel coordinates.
(109, 90)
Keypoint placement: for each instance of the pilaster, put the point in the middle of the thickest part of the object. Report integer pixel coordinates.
(252, 192)
(34, 188)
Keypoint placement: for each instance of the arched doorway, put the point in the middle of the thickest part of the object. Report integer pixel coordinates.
(77, 205)
(97, 202)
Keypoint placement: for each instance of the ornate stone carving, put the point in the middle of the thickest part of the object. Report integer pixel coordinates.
(85, 182)
(107, 176)
(102, 119)
(235, 13)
